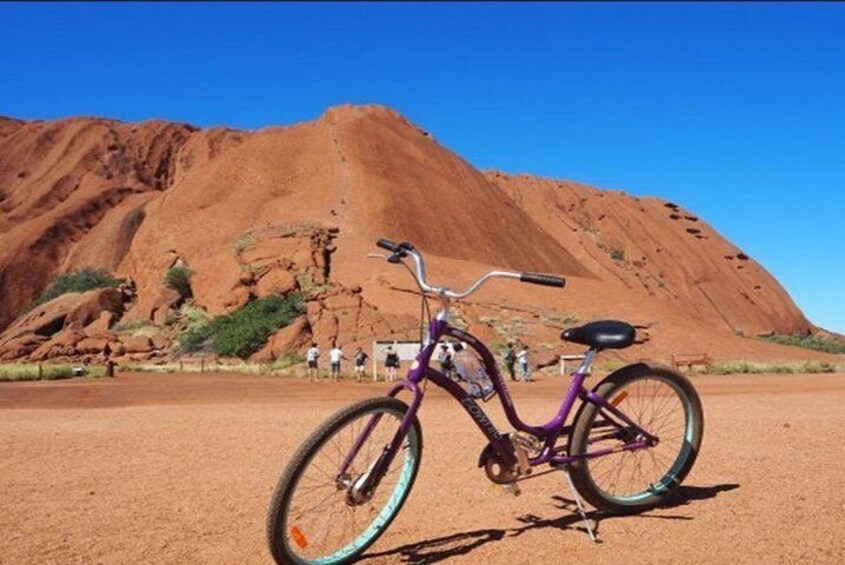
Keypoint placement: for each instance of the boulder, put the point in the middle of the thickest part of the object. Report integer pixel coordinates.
(167, 299)
(160, 342)
(21, 346)
(68, 338)
(92, 304)
(44, 351)
(286, 341)
(276, 281)
(101, 324)
(73, 310)
(137, 344)
(92, 345)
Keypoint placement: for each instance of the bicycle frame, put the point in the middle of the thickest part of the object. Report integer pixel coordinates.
(548, 433)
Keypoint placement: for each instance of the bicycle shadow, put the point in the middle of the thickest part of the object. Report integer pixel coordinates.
(442, 548)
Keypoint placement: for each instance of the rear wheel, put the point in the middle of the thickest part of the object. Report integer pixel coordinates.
(663, 403)
(317, 516)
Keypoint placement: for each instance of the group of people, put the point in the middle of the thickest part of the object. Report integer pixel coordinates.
(445, 356)
(513, 358)
(336, 356)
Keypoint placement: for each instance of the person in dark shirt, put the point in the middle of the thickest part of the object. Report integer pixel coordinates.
(510, 361)
(391, 362)
(360, 361)
(445, 357)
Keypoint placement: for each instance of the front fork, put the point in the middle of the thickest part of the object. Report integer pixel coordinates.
(361, 489)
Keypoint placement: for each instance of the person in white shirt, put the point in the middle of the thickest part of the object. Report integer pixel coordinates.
(524, 365)
(311, 356)
(335, 355)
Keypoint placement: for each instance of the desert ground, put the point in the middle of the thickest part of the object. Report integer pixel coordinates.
(179, 468)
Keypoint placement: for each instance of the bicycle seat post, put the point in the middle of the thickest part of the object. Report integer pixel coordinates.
(587, 364)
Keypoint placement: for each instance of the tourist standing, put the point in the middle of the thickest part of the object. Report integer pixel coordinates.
(510, 361)
(360, 362)
(391, 362)
(311, 356)
(524, 364)
(335, 355)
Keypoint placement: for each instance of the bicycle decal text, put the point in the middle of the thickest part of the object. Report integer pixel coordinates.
(479, 416)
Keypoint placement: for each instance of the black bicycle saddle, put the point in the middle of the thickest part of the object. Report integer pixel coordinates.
(606, 334)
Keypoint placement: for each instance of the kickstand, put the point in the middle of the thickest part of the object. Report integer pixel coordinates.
(580, 506)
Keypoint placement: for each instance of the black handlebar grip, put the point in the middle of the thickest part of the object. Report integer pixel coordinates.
(545, 280)
(387, 244)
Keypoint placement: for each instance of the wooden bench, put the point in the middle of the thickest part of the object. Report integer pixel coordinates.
(690, 360)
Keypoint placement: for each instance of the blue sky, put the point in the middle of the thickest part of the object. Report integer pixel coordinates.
(736, 111)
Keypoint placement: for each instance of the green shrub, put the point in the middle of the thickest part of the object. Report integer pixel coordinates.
(77, 281)
(195, 340)
(179, 279)
(244, 332)
(617, 254)
(814, 342)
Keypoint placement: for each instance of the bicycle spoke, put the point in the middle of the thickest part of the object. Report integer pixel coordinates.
(655, 407)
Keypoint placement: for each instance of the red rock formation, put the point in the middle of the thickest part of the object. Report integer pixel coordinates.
(297, 209)
(655, 246)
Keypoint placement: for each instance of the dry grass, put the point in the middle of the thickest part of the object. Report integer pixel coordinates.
(748, 367)
(45, 372)
(285, 366)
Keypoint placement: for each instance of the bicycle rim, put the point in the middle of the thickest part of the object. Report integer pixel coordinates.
(662, 408)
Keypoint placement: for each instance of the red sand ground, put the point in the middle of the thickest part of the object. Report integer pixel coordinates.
(179, 468)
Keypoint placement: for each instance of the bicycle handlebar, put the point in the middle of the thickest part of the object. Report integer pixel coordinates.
(545, 280)
(406, 249)
(387, 244)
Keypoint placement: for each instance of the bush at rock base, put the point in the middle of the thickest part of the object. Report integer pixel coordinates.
(245, 331)
(77, 281)
(179, 279)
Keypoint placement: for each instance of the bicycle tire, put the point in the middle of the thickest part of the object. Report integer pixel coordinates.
(286, 488)
(585, 472)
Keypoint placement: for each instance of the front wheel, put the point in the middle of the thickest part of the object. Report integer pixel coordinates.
(320, 512)
(663, 403)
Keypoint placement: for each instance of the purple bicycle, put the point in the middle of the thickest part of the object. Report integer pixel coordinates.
(633, 439)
